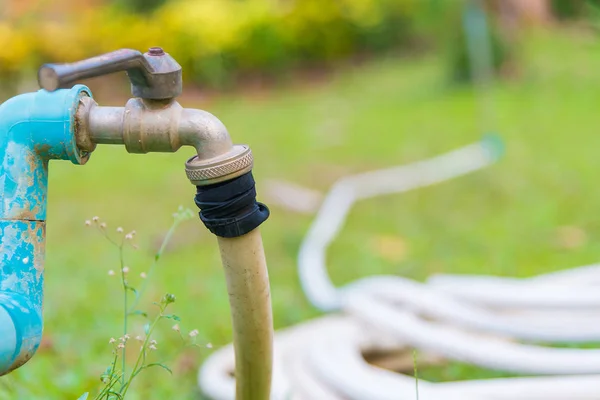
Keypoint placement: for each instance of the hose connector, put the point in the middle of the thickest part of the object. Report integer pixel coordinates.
(238, 161)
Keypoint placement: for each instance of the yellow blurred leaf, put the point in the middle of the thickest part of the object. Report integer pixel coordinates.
(390, 248)
(570, 237)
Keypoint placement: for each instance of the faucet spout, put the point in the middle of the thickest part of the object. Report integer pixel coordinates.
(144, 126)
(205, 132)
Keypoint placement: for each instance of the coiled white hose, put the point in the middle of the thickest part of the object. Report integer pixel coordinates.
(474, 319)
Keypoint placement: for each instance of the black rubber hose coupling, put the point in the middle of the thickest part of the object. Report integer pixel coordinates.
(229, 209)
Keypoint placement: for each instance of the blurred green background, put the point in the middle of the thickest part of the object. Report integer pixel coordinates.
(319, 90)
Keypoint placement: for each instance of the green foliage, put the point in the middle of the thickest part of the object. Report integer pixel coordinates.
(139, 6)
(571, 9)
(217, 41)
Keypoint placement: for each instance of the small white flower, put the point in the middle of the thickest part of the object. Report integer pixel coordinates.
(139, 338)
(112, 340)
(88, 222)
(95, 219)
(129, 236)
(125, 270)
(152, 347)
(120, 230)
(126, 336)
(111, 272)
(176, 328)
(209, 345)
(103, 225)
(143, 275)
(194, 333)
(133, 233)
(121, 346)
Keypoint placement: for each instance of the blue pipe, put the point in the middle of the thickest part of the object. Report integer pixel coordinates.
(34, 128)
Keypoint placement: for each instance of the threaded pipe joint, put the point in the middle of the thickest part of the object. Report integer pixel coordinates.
(232, 164)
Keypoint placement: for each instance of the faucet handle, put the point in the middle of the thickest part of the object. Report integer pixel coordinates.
(154, 75)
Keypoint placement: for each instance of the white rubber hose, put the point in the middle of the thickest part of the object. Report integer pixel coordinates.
(428, 302)
(471, 319)
(331, 216)
(322, 359)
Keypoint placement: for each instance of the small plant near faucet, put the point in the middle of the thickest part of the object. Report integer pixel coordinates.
(118, 377)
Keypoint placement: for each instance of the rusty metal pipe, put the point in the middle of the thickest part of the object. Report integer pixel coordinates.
(34, 129)
(106, 125)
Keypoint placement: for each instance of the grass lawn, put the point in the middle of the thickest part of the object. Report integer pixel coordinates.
(503, 220)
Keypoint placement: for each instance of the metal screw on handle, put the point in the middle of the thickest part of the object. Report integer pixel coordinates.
(154, 75)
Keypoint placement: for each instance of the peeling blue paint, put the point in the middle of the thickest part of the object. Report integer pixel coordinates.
(34, 128)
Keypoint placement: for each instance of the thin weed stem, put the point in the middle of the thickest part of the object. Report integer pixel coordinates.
(157, 257)
(121, 380)
(142, 355)
(125, 309)
(105, 234)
